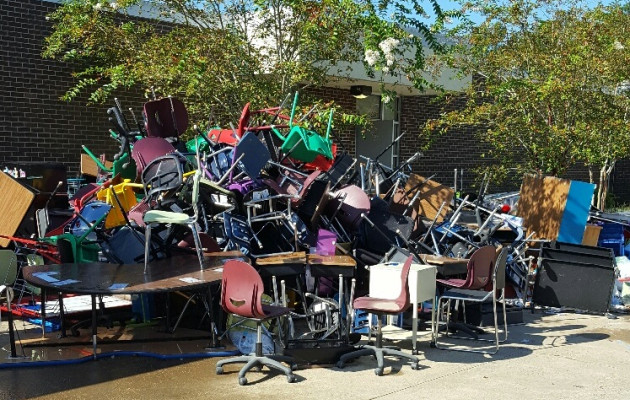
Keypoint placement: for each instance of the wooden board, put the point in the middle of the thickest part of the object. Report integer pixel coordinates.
(15, 200)
(541, 205)
(89, 167)
(432, 195)
(591, 235)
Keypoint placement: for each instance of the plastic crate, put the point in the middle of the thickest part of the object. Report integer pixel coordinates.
(617, 245)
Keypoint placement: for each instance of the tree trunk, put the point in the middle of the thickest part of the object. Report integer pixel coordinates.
(602, 187)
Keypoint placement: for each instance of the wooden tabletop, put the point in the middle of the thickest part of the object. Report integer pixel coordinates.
(170, 274)
(298, 257)
(442, 260)
(337, 260)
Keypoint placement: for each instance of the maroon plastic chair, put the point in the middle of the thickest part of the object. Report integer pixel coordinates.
(382, 307)
(165, 118)
(241, 294)
(148, 149)
(478, 270)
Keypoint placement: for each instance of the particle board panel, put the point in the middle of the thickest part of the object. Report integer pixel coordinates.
(432, 195)
(541, 204)
(15, 201)
(89, 166)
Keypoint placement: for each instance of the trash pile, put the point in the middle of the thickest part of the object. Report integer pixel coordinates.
(270, 185)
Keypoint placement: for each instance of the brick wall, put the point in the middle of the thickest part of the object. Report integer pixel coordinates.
(343, 98)
(34, 124)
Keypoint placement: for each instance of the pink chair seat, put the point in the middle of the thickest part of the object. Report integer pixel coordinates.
(375, 305)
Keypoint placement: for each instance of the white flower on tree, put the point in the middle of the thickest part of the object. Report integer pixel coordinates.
(371, 57)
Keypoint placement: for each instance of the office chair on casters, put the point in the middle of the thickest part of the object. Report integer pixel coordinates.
(169, 217)
(241, 294)
(382, 307)
(480, 295)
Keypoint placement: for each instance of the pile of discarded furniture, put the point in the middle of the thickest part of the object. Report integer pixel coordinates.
(314, 225)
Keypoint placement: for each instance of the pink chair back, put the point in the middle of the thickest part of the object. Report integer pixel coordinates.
(403, 298)
(480, 268)
(241, 290)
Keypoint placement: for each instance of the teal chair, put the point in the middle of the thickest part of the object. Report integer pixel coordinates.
(154, 217)
(303, 144)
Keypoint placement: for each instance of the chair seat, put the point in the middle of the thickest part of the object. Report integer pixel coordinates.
(274, 311)
(165, 217)
(453, 283)
(468, 295)
(376, 305)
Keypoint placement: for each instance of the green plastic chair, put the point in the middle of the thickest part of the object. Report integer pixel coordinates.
(303, 144)
(124, 165)
(83, 250)
(153, 217)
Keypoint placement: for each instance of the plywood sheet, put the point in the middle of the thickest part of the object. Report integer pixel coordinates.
(541, 205)
(15, 200)
(89, 167)
(432, 195)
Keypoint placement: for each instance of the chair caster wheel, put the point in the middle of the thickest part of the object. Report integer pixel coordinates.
(432, 345)
(293, 367)
(242, 381)
(340, 364)
(415, 366)
(291, 378)
(378, 371)
(219, 370)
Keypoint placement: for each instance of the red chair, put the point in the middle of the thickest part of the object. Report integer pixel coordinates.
(241, 294)
(494, 292)
(478, 270)
(382, 307)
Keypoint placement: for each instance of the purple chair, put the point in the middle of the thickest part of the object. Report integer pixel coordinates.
(382, 307)
(241, 294)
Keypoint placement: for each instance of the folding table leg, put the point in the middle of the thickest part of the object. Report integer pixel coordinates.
(94, 329)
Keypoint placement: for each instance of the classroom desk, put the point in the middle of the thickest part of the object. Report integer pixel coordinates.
(97, 278)
(385, 284)
(446, 266)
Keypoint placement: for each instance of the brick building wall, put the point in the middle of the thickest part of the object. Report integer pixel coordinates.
(36, 126)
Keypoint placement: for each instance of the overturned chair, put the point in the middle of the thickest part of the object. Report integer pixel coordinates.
(241, 294)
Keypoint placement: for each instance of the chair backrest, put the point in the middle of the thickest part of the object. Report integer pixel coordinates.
(8, 267)
(148, 149)
(479, 269)
(166, 117)
(162, 174)
(241, 290)
(195, 191)
(499, 268)
(403, 298)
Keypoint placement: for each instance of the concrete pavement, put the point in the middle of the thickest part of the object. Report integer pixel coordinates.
(557, 356)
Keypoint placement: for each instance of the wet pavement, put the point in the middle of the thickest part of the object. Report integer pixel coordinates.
(557, 356)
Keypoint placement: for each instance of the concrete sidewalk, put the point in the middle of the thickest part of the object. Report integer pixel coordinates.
(558, 356)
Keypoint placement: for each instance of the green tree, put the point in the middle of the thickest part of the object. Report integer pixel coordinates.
(220, 54)
(547, 94)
